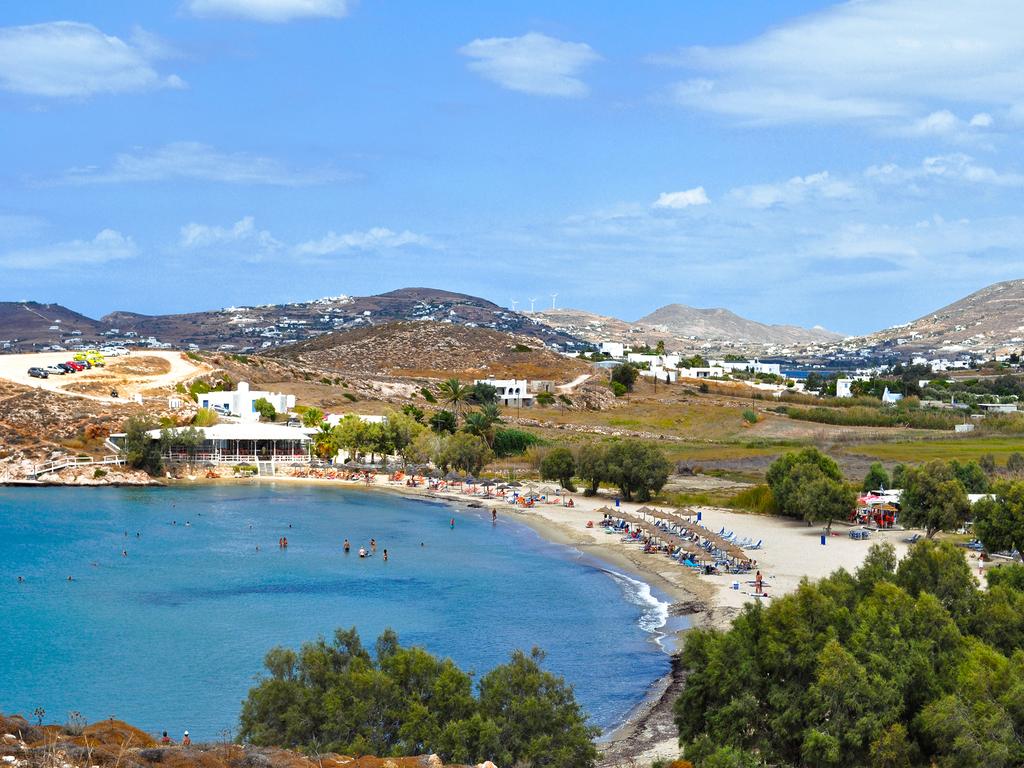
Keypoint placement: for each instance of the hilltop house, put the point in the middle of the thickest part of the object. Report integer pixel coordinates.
(613, 348)
(242, 401)
(749, 366)
(511, 392)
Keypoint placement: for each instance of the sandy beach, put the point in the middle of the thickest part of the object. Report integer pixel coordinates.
(791, 551)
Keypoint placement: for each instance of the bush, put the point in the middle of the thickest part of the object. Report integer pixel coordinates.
(750, 416)
(403, 701)
(618, 388)
(99, 473)
(861, 416)
(625, 374)
(350, 397)
(205, 417)
(759, 499)
(513, 442)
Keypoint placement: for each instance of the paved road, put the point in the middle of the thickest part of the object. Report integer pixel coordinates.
(15, 368)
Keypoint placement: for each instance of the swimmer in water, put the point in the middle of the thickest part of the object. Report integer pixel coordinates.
(452, 523)
(70, 578)
(373, 544)
(385, 555)
(21, 579)
(124, 553)
(188, 523)
(346, 546)
(362, 551)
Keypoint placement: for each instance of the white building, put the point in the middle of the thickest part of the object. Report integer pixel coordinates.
(702, 373)
(613, 348)
(844, 387)
(891, 398)
(511, 392)
(242, 402)
(749, 366)
(237, 443)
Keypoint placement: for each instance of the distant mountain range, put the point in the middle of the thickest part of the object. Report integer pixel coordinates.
(29, 325)
(985, 322)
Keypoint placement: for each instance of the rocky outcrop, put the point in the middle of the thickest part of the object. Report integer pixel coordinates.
(115, 744)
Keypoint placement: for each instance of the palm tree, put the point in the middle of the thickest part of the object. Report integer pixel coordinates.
(325, 441)
(481, 423)
(312, 417)
(454, 393)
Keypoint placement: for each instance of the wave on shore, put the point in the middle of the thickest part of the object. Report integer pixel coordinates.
(655, 612)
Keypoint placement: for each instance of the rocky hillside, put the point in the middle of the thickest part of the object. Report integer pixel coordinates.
(724, 325)
(987, 322)
(433, 350)
(114, 744)
(27, 326)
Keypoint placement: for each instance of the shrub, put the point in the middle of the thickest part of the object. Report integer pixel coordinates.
(205, 417)
(350, 397)
(750, 416)
(618, 388)
(513, 442)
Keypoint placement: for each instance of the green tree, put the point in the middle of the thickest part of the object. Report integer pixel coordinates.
(999, 519)
(482, 393)
(140, 451)
(402, 429)
(814, 382)
(940, 569)
(638, 469)
(973, 475)
(545, 399)
(559, 465)
(464, 451)
(453, 393)
(876, 478)
(312, 417)
(265, 409)
(933, 498)
(592, 466)
(809, 484)
(481, 423)
(899, 475)
(626, 375)
(443, 422)
(325, 441)
(416, 413)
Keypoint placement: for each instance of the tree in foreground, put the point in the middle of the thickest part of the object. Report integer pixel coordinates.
(559, 465)
(404, 701)
(639, 469)
(933, 498)
(882, 668)
(626, 375)
(999, 519)
(809, 485)
(876, 478)
(592, 466)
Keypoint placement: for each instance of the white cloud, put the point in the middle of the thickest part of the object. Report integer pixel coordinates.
(108, 245)
(532, 63)
(795, 190)
(73, 60)
(953, 167)
(201, 162)
(981, 120)
(372, 239)
(887, 61)
(684, 199)
(244, 230)
(272, 11)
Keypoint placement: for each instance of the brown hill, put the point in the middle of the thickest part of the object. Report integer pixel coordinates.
(26, 324)
(433, 350)
(987, 321)
(724, 325)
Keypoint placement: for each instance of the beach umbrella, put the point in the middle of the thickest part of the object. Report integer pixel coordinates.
(436, 474)
(488, 483)
(515, 484)
(547, 490)
(453, 476)
(470, 480)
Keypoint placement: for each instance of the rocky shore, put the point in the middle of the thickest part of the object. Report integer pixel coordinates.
(115, 744)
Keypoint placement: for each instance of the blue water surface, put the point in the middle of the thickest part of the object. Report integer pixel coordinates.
(171, 635)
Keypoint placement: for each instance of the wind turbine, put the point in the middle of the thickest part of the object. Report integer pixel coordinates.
(514, 302)
(553, 297)
(531, 305)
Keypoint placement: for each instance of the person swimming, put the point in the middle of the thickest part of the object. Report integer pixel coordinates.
(21, 579)
(124, 553)
(373, 544)
(385, 555)
(346, 546)
(452, 523)
(362, 551)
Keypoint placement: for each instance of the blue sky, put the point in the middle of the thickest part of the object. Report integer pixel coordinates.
(851, 165)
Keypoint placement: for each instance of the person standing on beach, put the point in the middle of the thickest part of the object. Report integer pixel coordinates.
(494, 514)
(757, 583)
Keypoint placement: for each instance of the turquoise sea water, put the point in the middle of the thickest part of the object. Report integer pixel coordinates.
(171, 635)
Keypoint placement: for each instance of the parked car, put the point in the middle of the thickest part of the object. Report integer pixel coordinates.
(66, 368)
(54, 370)
(38, 373)
(76, 365)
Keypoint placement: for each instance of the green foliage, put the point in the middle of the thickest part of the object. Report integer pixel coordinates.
(750, 415)
(403, 701)
(933, 498)
(265, 409)
(638, 469)
(205, 417)
(757, 498)
(808, 484)
(139, 451)
(876, 478)
(618, 388)
(415, 413)
(351, 397)
(521, 348)
(483, 393)
(513, 442)
(428, 395)
(1015, 463)
(865, 416)
(999, 520)
(625, 374)
(973, 475)
(481, 423)
(453, 393)
(469, 453)
(312, 417)
(545, 398)
(559, 464)
(442, 422)
(592, 466)
(885, 668)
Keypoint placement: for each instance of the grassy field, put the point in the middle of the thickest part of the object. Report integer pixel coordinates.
(954, 448)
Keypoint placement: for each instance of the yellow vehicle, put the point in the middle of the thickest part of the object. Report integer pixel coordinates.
(92, 357)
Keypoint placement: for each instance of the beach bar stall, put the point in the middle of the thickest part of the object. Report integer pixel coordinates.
(234, 444)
